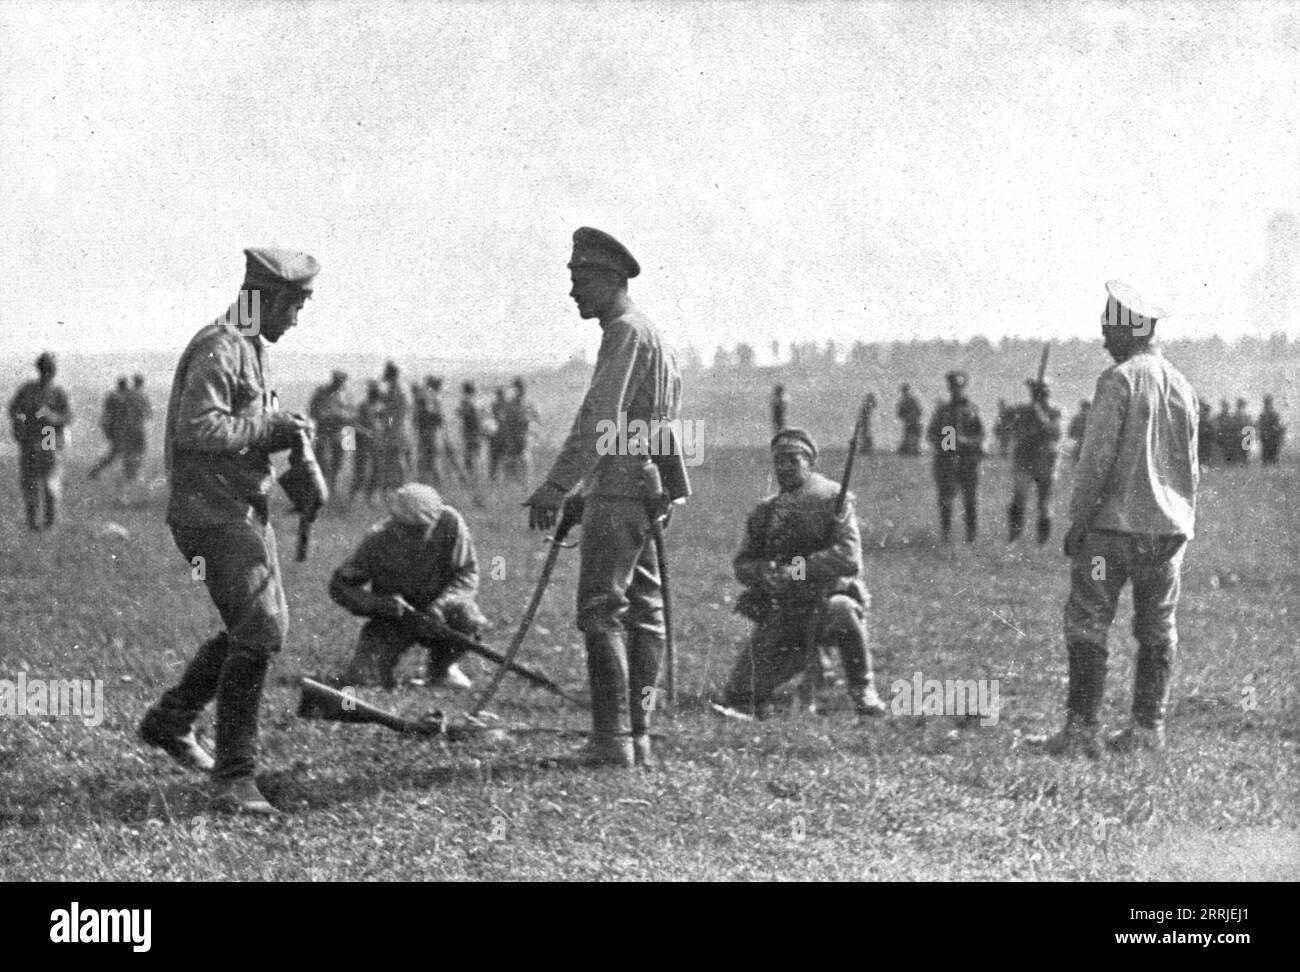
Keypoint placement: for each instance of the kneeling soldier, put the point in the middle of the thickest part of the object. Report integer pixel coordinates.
(418, 562)
(797, 553)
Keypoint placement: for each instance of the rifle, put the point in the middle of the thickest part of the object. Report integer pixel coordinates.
(819, 611)
(428, 627)
(570, 517)
(1042, 362)
(321, 701)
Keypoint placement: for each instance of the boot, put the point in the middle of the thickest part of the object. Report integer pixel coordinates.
(970, 524)
(239, 696)
(645, 648)
(1151, 679)
(1044, 528)
(1015, 521)
(1078, 738)
(174, 714)
(945, 523)
(1087, 664)
(610, 743)
(241, 795)
(855, 656)
(1137, 738)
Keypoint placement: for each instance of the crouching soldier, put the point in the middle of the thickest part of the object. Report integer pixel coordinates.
(421, 571)
(798, 552)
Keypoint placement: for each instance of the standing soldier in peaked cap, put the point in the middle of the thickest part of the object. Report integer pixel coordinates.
(1132, 513)
(1271, 432)
(223, 424)
(1038, 438)
(780, 407)
(332, 410)
(798, 550)
(38, 414)
(620, 600)
(957, 436)
(909, 413)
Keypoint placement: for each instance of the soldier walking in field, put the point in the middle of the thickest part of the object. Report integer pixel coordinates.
(39, 413)
(369, 430)
(866, 413)
(430, 429)
(392, 455)
(223, 424)
(472, 431)
(1131, 516)
(801, 558)
(521, 420)
(1271, 432)
(1038, 439)
(620, 598)
(110, 423)
(332, 410)
(137, 410)
(419, 561)
(956, 434)
(909, 413)
(498, 444)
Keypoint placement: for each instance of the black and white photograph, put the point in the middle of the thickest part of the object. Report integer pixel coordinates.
(651, 442)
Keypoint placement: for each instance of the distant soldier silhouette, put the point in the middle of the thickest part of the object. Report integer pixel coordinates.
(332, 410)
(866, 441)
(780, 405)
(110, 423)
(137, 410)
(498, 446)
(472, 431)
(369, 427)
(909, 413)
(38, 414)
(1244, 432)
(393, 452)
(1038, 437)
(1206, 436)
(521, 420)
(1005, 427)
(1227, 435)
(1271, 432)
(957, 436)
(430, 428)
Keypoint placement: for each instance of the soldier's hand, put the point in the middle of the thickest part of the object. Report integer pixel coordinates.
(398, 606)
(544, 506)
(1074, 539)
(285, 427)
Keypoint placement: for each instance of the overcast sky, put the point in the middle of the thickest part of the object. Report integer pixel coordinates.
(845, 171)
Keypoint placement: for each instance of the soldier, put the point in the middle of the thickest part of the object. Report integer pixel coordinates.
(1271, 432)
(1243, 427)
(420, 560)
(521, 423)
(1038, 437)
(620, 601)
(1206, 444)
(471, 427)
(38, 414)
(429, 423)
(392, 456)
(1078, 427)
(110, 423)
(1005, 429)
(332, 410)
(957, 436)
(1226, 435)
(1131, 516)
(866, 441)
(909, 412)
(799, 557)
(136, 413)
(780, 406)
(223, 424)
(369, 430)
(498, 445)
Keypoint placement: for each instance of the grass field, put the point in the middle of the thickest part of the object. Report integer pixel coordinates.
(795, 797)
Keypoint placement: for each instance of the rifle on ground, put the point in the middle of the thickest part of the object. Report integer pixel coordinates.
(321, 701)
(430, 628)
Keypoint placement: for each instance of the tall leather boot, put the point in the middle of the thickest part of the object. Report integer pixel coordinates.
(644, 649)
(239, 697)
(1151, 681)
(1087, 681)
(174, 714)
(971, 523)
(610, 743)
(945, 521)
(1015, 521)
(855, 656)
(1044, 529)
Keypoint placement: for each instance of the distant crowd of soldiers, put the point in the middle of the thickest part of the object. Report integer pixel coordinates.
(395, 439)
(1031, 435)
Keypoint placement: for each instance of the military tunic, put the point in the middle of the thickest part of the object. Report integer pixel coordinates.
(439, 572)
(800, 531)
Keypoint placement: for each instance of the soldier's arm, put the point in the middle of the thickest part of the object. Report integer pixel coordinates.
(462, 566)
(206, 420)
(973, 430)
(842, 557)
(1100, 447)
(750, 566)
(348, 586)
(614, 366)
(934, 434)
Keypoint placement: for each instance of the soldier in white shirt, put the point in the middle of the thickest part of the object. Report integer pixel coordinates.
(1132, 513)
